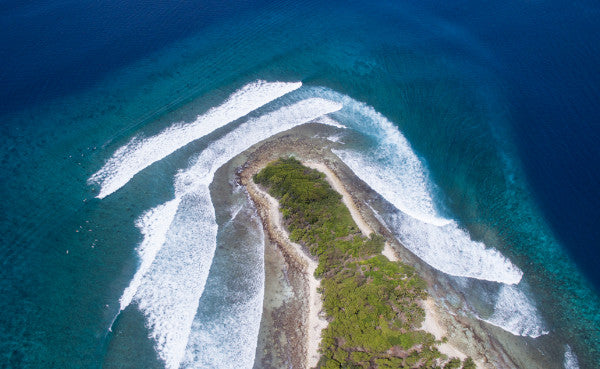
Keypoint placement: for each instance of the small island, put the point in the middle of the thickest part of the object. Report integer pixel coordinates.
(372, 305)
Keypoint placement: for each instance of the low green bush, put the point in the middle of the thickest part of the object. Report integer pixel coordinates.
(372, 303)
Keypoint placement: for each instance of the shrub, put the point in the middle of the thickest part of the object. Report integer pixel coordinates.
(371, 302)
(452, 364)
(469, 364)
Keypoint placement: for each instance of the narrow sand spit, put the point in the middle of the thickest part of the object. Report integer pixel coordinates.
(337, 185)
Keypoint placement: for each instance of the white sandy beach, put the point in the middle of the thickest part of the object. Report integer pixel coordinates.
(432, 323)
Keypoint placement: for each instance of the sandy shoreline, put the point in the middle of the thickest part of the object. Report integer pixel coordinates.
(315, 323)
(284, 327)
(431, 323)
(272, 220)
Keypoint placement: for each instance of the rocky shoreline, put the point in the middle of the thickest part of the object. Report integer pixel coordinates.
(285, 338)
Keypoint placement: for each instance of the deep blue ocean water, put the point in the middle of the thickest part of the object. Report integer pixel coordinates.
(500, 100)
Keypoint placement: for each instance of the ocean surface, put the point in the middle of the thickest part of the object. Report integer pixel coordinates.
(124, 245)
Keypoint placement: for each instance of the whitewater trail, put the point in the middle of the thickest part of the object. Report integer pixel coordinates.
(231, 330)
(570, 361)
(179, 236)
(170, 289)
(394, 170)
(171, 279)
(408, 187)
(140, 153)
(514, 312)
(153, 225)
(451, 250)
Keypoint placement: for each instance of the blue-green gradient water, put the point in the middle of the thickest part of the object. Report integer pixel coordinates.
(497, 103)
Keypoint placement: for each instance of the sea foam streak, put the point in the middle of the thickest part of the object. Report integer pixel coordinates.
(153, 225)
(514, 312)
(450, 249)
(140, 153)
(215, 344)
(570, 361)
(406, 188)
(228, 326)
(169, 291)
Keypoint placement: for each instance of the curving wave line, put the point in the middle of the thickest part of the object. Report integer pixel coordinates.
(450, 249)
(515, 313)
(403, 184)
(408, 188)
(153, 225)
(169, 291)
(140, 153)
(570, 361)
(231, 330)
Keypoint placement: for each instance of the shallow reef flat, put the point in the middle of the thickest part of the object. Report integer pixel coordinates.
(288, 278)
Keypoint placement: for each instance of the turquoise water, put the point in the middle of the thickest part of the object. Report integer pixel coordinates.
(456, 81)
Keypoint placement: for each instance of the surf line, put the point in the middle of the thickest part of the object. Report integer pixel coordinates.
(156, 222)
(170, 281)
(139, 153)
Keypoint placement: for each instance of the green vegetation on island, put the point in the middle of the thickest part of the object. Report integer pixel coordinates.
(372, 303)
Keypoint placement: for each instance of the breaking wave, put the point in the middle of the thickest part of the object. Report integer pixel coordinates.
(140, 153)
(172, 275)
(515, 313)
(449, 249)
(228, 321)
(570, 361)
(179, 236)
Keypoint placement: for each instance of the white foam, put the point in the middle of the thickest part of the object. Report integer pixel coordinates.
(228, 342)
(233, 332)
(397, 175)
(570, 361)
(408, 186)
(169, 291)
(153, 225)
(514, 312)
(140, 153)
(450, 249)
(335, 138)
(331, 122)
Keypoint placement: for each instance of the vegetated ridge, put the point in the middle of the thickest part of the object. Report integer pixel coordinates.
(372, 304)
